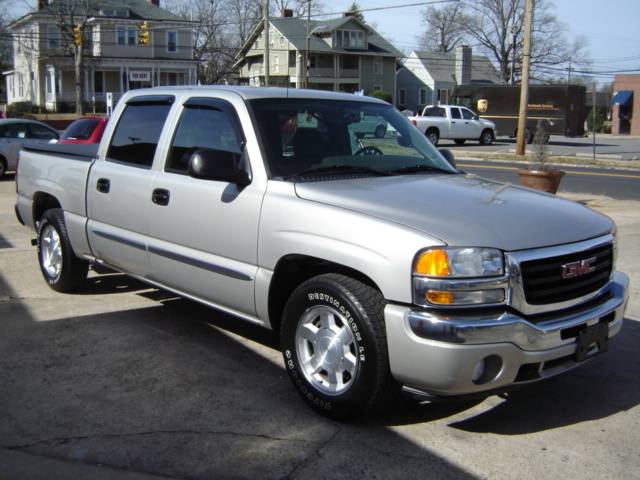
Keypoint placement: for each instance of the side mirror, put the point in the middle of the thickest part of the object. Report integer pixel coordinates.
(218, 165)
(448, 156)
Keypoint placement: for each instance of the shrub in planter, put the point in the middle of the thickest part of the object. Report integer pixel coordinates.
(540, 175)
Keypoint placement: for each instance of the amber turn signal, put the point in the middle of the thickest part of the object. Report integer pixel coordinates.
(440, 297)
(433, 263)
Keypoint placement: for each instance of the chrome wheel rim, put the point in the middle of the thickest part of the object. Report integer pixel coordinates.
(432, 138)
(51, 252)
(326, 350)
(487, 137)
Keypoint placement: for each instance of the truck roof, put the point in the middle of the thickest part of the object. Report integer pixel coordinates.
(252, 93)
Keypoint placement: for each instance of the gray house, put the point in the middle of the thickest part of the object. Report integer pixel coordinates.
(345, 55)
(428, 78)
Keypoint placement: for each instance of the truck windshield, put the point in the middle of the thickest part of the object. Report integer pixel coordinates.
(302, 135)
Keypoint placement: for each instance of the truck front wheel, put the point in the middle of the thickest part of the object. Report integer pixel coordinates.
(335, 348)
(486, 138)
(63, 271)
(433, 136)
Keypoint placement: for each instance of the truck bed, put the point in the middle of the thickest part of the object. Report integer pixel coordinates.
(74, 151)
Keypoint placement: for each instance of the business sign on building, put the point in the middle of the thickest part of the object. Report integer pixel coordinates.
(139, 76)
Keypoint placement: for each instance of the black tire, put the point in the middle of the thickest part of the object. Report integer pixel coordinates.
(486, 137)
(528, 136)
(433, 135)
(371, 388)
(380, 131)
(460, 141)
(73, 271)
(3, 167)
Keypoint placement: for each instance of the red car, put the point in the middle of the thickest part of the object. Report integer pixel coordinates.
(84, 130)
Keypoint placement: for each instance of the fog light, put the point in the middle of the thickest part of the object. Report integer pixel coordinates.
(478, 370)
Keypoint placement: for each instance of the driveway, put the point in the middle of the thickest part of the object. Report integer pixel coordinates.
(122, 378)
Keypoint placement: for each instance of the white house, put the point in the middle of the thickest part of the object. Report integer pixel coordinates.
(115, 61)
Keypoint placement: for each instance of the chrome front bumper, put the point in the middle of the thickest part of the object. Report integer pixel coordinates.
(437, 352)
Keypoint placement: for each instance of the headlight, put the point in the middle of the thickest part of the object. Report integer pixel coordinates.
(459, 262)
(459, 277)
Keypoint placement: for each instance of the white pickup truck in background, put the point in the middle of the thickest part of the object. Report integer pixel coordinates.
(453, 122)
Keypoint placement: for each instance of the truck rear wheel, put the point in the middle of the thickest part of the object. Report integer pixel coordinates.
(433, 136)
(335, 348)
(3, 167)
(63, 271)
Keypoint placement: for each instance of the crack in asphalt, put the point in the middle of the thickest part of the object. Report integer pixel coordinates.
(62, 440)
(301, 464)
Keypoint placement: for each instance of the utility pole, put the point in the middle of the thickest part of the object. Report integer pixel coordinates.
(307, 58)
(266, 43)
(524, 82)
(593, 117)
(569, 76)
(514, 32)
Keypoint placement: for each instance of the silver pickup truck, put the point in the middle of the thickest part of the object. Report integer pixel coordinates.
(379, 263)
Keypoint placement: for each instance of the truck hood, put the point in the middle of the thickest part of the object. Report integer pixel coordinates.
(464, 210)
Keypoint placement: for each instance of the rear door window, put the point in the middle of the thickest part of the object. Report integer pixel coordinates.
(40, 132)
(435, 112)
(81, 129)
(136, 136)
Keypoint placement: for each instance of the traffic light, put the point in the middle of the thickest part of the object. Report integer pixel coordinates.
(77, 36)
(143, 33)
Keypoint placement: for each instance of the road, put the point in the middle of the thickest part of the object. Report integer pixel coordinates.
(619, 184)
(618, 147)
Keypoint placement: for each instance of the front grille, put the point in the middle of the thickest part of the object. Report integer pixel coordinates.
(543, 283)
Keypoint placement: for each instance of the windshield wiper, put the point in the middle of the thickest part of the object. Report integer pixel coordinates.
(330, 169)
(417, 169)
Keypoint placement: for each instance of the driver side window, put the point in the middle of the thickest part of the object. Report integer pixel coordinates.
(200, 128)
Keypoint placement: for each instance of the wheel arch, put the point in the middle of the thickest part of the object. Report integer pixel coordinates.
(293, 269)
(42, 202)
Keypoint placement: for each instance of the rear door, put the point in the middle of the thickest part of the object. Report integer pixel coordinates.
(119, 188)
(12, 136)
(203, 234)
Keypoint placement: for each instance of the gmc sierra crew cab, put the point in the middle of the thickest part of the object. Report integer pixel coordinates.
(453, 122)
(380, 264)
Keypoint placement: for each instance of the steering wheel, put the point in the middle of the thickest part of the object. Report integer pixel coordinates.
(370, 150)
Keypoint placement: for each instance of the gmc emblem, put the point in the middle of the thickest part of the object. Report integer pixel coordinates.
(576, 269)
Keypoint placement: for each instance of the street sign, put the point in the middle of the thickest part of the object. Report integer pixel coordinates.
(139, 76)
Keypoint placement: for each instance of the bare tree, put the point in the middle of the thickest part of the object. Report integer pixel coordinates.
(298, 7)
(69, 15)
(444, 27)
(497, 27)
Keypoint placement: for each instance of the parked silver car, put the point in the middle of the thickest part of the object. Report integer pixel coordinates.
(15, 132)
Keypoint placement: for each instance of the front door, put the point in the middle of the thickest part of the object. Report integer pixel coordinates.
(119, 188)
(203, 234)
(472, 126)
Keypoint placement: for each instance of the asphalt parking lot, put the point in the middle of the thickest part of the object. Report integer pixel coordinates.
(125, 381)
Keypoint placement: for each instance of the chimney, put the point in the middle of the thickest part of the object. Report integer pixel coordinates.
(463, 65)
(155, 2)
(287, 13)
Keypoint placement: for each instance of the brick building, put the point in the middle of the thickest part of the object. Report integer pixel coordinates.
(625, 105)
